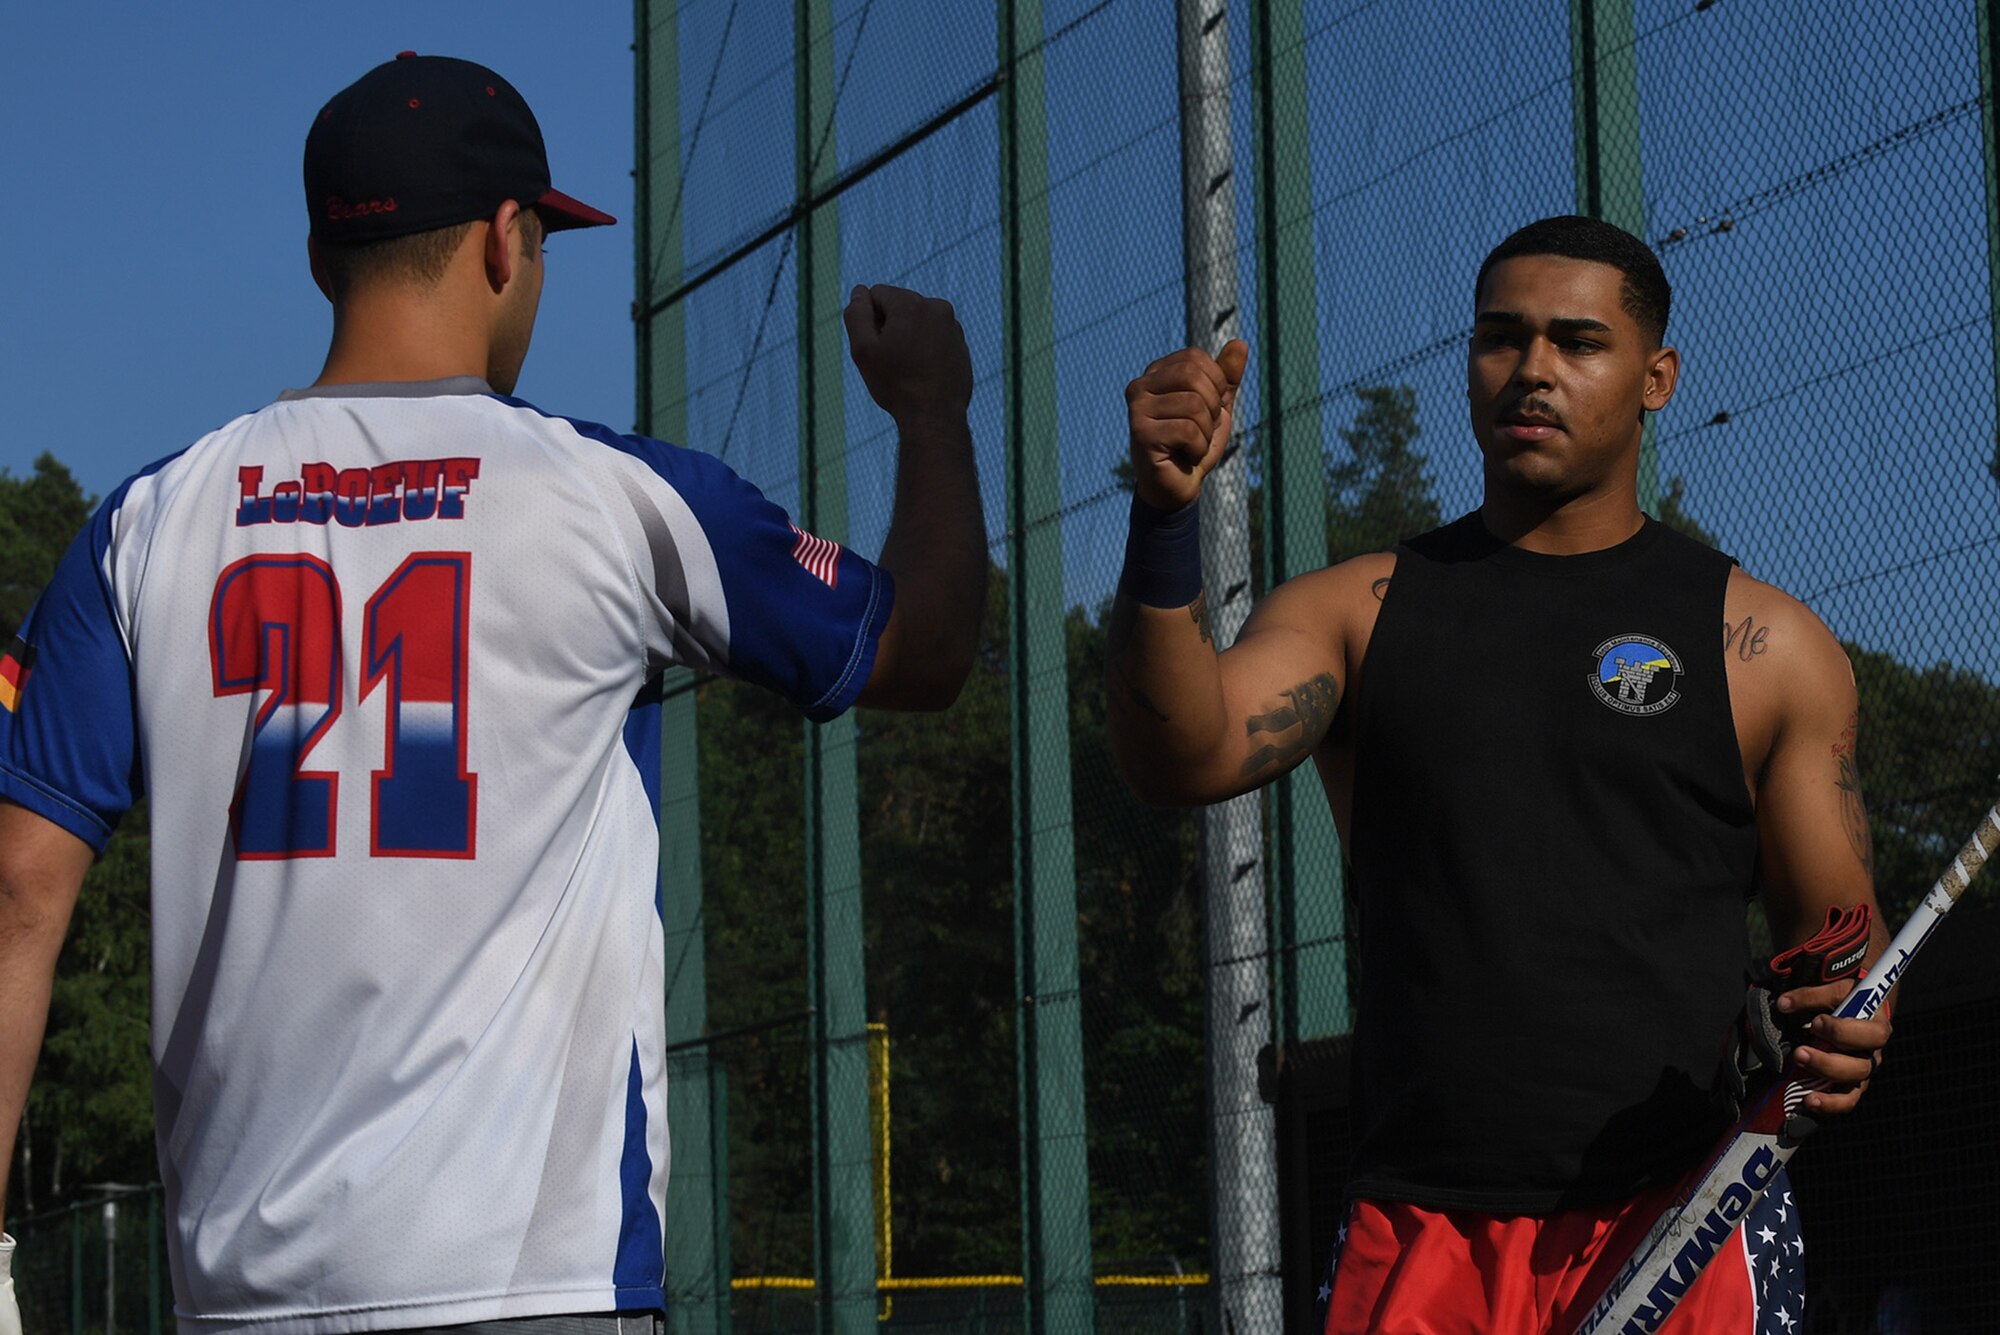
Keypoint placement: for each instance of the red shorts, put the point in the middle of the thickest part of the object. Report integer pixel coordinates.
(1401, 1270)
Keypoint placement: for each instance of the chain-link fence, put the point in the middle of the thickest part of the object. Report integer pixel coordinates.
(96, 1267)
(1068, 981)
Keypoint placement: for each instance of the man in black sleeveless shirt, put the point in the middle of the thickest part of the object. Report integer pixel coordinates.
(1557, 786)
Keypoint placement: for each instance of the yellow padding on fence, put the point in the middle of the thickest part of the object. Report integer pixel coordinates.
(903, 1284)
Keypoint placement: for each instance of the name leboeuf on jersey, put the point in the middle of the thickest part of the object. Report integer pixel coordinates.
(390, 493)
(1636, 675)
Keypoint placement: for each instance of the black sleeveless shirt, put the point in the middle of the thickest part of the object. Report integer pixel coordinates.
(1552, 846)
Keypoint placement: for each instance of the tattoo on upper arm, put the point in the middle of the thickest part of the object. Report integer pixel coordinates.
(1292, 730)
(1746, 637)
(1380, 588)
(1198, 609)
(1853, 811)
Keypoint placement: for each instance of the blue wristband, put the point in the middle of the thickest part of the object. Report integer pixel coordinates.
(1163, 555)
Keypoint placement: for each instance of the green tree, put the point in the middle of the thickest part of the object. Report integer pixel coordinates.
(91, 1106)
(39, 515)
(937, 860)
(1673, 512)
(1381, 491)
(753, 916)
(89, 1113)
(1928, 737)
(1139, 958)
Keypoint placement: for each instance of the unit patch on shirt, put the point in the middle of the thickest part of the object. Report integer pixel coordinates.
(1637, 675)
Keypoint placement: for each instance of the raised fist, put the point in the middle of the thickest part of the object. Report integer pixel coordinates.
(1180, 414)
(910, 351)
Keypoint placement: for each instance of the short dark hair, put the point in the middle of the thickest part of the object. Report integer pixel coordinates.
(418, 258)
(1646, 298)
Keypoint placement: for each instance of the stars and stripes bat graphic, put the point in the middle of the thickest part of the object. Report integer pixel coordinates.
(1650, 1283)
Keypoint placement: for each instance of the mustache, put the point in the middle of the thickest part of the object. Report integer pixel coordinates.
(1533, 407)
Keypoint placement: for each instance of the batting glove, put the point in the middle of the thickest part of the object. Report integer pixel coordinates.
(10, 1312)
(1762, 1040)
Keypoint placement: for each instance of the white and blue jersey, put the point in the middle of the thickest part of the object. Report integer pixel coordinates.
(379, 657)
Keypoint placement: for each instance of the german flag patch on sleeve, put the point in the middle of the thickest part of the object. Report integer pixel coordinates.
(14, 667)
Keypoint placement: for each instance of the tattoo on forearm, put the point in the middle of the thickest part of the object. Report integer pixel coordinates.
(1198, 609)
(1746, 638)
(1380, 588)
(1293, 730)
(1853, 811)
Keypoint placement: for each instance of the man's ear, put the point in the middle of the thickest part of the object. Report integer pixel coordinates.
(318, 267)
(501, 258)
(1661, 376)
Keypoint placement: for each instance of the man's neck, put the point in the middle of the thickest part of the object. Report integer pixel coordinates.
(1562, 526)
(383, 337)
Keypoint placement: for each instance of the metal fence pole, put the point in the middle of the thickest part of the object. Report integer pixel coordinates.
(76, 1270)
(110, 1212)
(1604, 64)
(843, 1199)
(1242, 1131)
(153, 1224)
(697, 1223)
(1989, 133)
(1308, 877)
(1058, 1296)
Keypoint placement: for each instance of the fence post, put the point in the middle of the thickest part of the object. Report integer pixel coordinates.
(76, 1270)
(697, 1223)
(153, 1225)
(109, 1213)
(1604, 83)
(843, 1199)
(1308, 877)
(1242, 1144)
(697, 1241)
(1989, 134)
(1057, 1293)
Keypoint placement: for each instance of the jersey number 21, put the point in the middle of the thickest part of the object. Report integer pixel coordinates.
(275, 626)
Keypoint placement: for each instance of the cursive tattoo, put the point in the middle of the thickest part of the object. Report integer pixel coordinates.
(1853, 811)
(1380, 588)
(1746, 637)
(1291, 730)
(1198, 609)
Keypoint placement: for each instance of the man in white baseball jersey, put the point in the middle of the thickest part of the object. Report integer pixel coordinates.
(384, 657)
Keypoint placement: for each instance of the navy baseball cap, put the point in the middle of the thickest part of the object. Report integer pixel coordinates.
(422, 142)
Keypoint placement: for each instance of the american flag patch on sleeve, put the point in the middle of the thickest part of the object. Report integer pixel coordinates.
(819, 556)
(14, 665)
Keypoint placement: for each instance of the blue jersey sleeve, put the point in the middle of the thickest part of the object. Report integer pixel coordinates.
(804, 615)
(69, 746)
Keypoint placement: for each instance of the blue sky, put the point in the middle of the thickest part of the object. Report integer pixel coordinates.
(156, 240)
(1836, 412)
(159, 287)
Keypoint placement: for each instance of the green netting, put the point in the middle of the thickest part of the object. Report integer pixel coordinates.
(1035, 943)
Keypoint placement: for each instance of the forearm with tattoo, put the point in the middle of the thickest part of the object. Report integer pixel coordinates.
(1198, 609)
